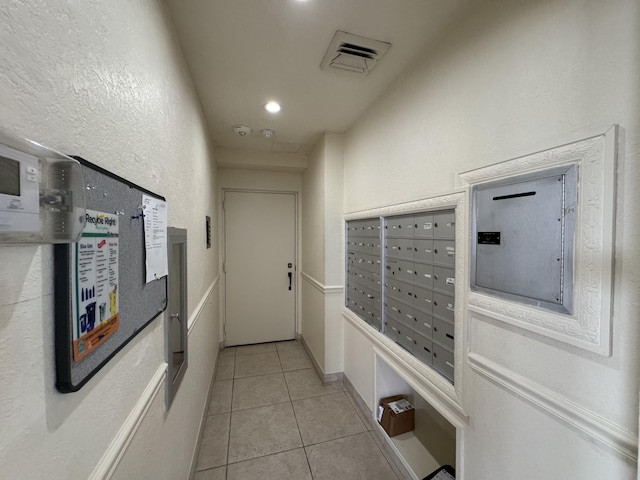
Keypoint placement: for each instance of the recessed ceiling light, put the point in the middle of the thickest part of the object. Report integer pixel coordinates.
(272, 107)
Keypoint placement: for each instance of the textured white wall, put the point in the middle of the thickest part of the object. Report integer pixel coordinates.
(313, 219)
(313, 254)
(514, 78)
(104, 80)
(322, 250)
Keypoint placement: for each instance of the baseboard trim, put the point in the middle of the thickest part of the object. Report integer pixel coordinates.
(599, 429)
(325, 289)
(203, 417)
(325, 377)
(107, 465)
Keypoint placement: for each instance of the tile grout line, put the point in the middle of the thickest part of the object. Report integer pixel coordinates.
(233, 385)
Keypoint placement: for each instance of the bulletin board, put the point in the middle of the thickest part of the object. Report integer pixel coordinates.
(102, 298)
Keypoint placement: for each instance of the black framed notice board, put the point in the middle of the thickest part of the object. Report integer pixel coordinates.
(102, 300)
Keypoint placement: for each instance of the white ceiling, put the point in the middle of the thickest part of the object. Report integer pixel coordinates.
(244, 53)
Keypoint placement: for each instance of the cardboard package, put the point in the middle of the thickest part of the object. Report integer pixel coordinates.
(396, 415)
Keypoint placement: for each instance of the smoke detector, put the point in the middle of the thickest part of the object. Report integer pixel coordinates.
(267, 133)
(242, 130)
(353, 53)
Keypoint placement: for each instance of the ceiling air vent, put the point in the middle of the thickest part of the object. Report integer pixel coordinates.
(353, 53)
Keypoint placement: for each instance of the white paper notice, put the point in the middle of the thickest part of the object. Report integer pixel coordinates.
(155, 237)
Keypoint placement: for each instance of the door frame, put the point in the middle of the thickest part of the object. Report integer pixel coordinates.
(296, 253)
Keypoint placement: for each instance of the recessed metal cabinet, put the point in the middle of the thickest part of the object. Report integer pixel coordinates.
(176, 345)
(523, 238)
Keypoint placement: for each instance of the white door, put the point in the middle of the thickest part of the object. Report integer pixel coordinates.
(260, 247)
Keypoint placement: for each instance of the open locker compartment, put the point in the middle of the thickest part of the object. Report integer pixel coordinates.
(433, 442)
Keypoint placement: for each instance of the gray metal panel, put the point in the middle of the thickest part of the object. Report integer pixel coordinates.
(444, 252)
(423, 348)
(443, 306)
(423, 323)
(424, 275)
(535, 220)
(443, 361)
(405, 248)
(423, 225)
(423, 250)
(444, 225)
(443, 333)
(422, 299)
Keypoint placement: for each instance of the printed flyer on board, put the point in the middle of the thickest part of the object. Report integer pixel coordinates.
(94, 277)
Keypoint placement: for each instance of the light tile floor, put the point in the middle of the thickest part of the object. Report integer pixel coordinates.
(271, 418)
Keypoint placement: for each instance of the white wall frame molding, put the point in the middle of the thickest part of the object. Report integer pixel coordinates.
(622, 441)
(589, 327)
(458, 201)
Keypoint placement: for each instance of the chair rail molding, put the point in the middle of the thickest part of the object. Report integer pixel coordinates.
(622, 441)
(325, 289)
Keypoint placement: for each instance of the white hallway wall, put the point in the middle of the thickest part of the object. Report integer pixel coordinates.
(511, 79)
(107, 81)
(322, 253)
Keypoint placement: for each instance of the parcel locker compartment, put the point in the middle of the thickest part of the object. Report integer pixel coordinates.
(423, 250)
(443, 306)
(423, 275)
(444, 225)
(391, 247)
(422, 299)
(423, 225)
(444, 252)
(405, 338)
(405, 249)
(406, 271)
(523, 238)
(423, 348)
(423, 323)
(444, 279)
(443, 361)
(443, 333)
